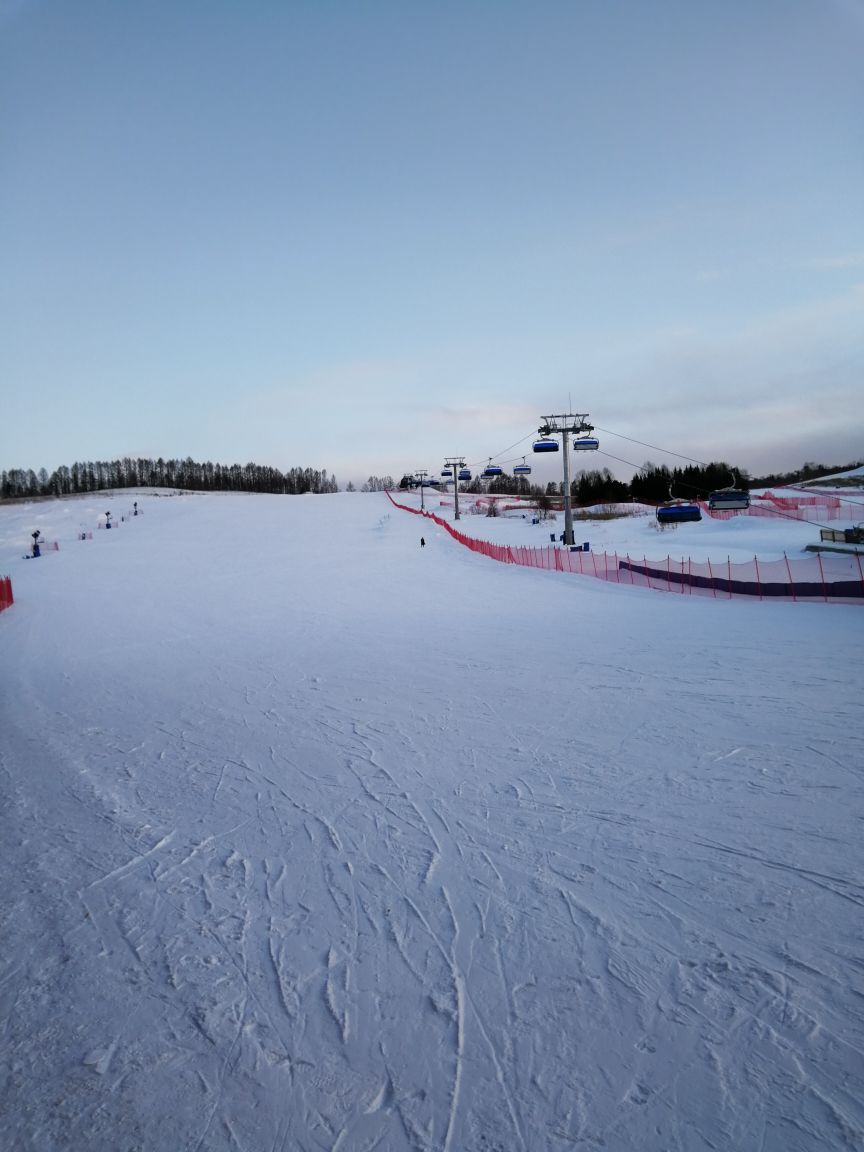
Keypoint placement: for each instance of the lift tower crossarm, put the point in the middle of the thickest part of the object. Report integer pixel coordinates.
(568, 424)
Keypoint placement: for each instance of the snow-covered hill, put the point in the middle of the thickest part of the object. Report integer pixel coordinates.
(824, 481)
(315, 839)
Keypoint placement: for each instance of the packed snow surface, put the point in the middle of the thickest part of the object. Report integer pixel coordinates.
(313, 838)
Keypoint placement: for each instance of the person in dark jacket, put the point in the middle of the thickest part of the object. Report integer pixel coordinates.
(422, 542)
(36, 549)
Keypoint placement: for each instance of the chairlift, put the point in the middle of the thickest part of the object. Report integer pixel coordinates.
(679, 513)
(522, 469)
(586, 444)
(447, 474)
(492, 470)
(728, 499)
(545, 445)
(464, 473)
(732, 498)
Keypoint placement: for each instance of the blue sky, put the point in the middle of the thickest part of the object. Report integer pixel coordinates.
(363, 236)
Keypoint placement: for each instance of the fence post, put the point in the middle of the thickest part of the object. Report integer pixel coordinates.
(758, 577)
(822, 575)
(729, 575)
(791, 581)
(711, 577)
(857, 557)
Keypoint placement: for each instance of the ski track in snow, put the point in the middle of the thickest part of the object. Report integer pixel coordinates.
(300, 884)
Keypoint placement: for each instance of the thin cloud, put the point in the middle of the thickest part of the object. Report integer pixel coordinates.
(836, 262)
(839, 263)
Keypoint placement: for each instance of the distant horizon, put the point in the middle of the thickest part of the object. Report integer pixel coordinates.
(577, 467)
(778, 460)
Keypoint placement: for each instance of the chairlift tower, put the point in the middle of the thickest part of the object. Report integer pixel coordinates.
(421, 475)
(569, 424)
(456, 463)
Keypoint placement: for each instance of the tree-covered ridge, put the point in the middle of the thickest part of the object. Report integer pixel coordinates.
(652, 484)
(95, 476)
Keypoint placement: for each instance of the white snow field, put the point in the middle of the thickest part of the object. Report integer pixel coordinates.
(313, 839)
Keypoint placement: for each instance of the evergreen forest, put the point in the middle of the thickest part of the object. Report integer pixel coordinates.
(98, 475)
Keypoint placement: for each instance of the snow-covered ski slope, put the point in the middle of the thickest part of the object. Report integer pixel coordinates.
(312, 839)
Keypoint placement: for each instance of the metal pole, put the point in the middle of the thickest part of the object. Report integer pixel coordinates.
(562, 426)
(568, 511)
(422, 474)
(455, 464)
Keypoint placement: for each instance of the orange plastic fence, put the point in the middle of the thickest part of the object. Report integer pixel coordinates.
(831, 577)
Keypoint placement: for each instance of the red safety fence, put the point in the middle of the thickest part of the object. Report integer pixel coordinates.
(811, 508)
(800, 501)
(812, 514)
(6, 597)
(835, 577)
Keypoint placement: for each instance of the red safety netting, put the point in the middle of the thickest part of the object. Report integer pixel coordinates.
(6, 597)
(811, 512)
(812, 500)
(835, 577)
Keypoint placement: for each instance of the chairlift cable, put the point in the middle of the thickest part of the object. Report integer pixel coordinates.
(654, 447)
(669, 452)
(477, 463)
(692, 487)
(641, 467)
